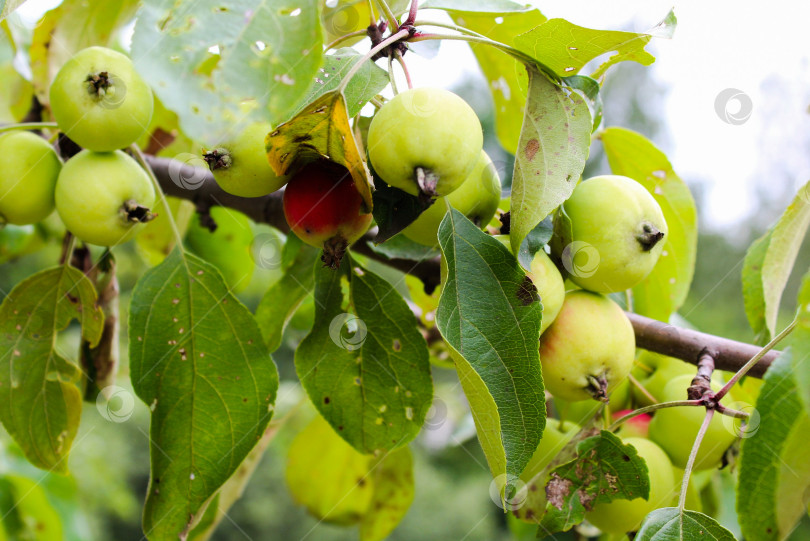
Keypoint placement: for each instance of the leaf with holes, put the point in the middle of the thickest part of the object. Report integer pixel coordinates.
(367, 373)
(605, 469)
(198, 360)
(554, 144)
(774, 464)
(566, 48)
(40, 398)
(497, 357)
(213, 62)
(670, 524)
(664, 290)
(321, 129)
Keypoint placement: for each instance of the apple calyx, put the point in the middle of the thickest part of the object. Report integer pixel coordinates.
(218, 158)
(427, 181)
(334, 249)
(100, 84)
(649, 236)
(597, 387)
(133, 212)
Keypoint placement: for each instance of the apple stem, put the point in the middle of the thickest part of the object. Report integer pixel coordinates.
(387, 13)
(346, 37)
(687, 471)
(404, 67)
(391, 78)
(648, 409)
(640, 387)
(28, 126)
(649, 236)
(376, 49)
(178, 238)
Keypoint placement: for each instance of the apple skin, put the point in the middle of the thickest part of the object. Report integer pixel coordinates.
(622, 516)
(227, 248)
(654, 371)
(324, 209)
(549, 283)
(618, 220)
(591, 339)
(635, 427)
(27, 179)
(552, 443)
(477, 199)
(91, 191)
(428, 128)
(240, 166)
(105, 122)
(675, 429)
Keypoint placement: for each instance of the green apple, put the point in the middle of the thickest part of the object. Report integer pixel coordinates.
(240, 166)
(477, 199)
(554, 439)
(100, 101)
(228, 247)
(675, 429)
(425, 140)
(27, 178)
(653, 371)
(622, 516)
(104, 198)
(615, 236)
(345, 17)
(589, 349)
(635, 427)
(549, 283)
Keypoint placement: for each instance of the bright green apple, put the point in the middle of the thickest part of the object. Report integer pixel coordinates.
(477, 199)
(616, 234)
(228, 247)
(675, 429)
(425, 140)
(27, 178)
(589, 349)
(622, 516)
(345, 17)
(653, 371)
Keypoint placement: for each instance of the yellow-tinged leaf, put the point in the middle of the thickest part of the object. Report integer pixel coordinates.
(321, 129)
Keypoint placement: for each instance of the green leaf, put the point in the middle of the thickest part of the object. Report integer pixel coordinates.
(507, 77)
(666, 287)
(477, 6)
(605, 470)
(769, 262)
(775, 460)
(198, 360)
(40, 398)
(566, 48)
(269, 53)
(489, 314)
(69, 28)
(395, 209)
(25, 512)
(800, 340)
(668, 524)
(372, 385)
(367, 83)
(393, 494)
(401, 247)
(285, 296)
(328, 476)
(554, 144)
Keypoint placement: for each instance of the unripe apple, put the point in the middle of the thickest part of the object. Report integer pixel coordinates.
(104, 198)
(589, 349)
(425, 140)
(227, 247)
(477, 199)
(27, 178)
(615, 237)
(100, 101)
(635, 427)
(345, 17)
(324, 209)
(240, 165)
(675, 429)
(622, 516)
(653, 371)
(554, 439)
(549, 283)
